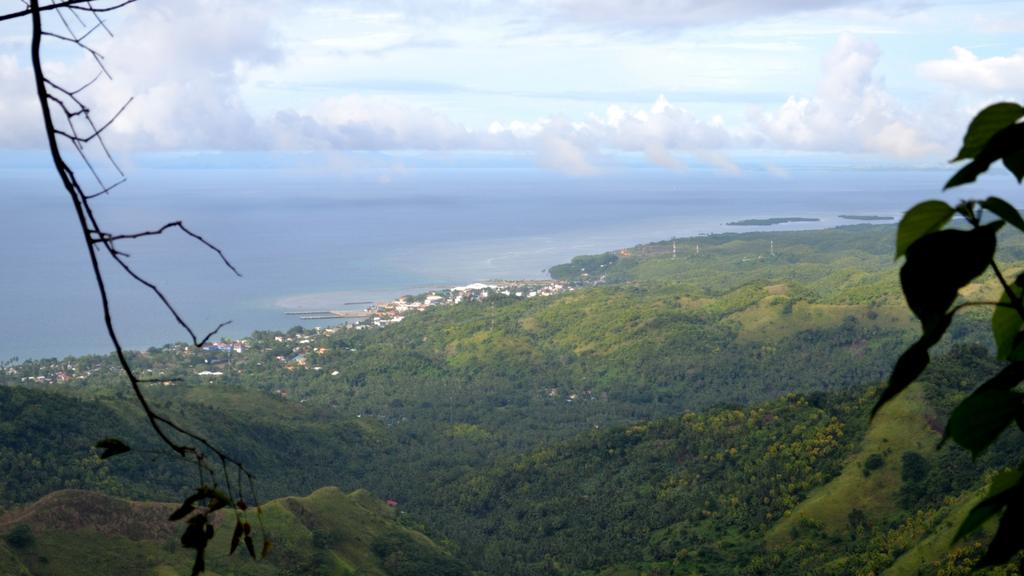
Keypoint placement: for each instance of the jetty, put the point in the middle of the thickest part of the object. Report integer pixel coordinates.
(330, 314)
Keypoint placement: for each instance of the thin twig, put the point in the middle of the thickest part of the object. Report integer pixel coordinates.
(74, 5)
(96, 237)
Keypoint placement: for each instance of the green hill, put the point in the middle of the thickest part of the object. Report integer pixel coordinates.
(326, 533)
(868, 487)
(674, 414)
(798, 485)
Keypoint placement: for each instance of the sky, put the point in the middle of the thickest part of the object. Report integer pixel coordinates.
(574, 86)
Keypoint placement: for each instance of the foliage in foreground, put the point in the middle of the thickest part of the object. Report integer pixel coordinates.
(940, 260)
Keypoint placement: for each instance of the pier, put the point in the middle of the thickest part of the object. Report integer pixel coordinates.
(330, 314)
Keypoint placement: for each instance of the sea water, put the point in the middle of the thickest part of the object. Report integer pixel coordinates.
(323, 240)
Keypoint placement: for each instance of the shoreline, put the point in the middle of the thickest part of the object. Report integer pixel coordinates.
(273, 314)
(326, 301)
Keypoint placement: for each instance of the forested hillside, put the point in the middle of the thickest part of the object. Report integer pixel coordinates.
(678, 413)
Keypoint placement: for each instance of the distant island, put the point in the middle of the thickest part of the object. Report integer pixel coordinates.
(770, 221)
(868, 218)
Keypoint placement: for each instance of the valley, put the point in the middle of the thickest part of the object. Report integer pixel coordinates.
(693, 406)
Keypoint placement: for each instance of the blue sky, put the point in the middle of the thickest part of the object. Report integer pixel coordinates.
(572, 85)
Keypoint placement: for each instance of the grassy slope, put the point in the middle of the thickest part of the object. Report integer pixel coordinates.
(327, 532)
(901, 426)
(938, 544)
(898, 543)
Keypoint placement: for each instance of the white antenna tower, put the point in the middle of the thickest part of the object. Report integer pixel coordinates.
(773, 247)
(698, 249)
(673, 249)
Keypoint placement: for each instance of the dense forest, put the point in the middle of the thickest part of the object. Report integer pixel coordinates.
(682, 411)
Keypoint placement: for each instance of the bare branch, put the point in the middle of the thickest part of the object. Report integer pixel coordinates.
(105, 190)
(75, 5)
(176, 224)
(183, 441)
(99, 20)
(74, 13)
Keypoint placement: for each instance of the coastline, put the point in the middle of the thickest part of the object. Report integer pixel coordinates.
(292, 305)
(528, 258)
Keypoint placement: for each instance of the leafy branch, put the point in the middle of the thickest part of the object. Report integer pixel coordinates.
(939, 261)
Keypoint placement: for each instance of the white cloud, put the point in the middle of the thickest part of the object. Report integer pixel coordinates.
(183, 64)
(674, 14)
(366, 123)
(661, 132)
(662, 157)
(998, 74)
(190, 63)
(852, 111)
(719, 160)
(20, 117)
(615, 14)
(664, 125)
(516, 128)
(362, 123)
(560, 154)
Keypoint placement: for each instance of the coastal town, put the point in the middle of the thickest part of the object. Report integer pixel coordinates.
(297, 349)
(394, 311)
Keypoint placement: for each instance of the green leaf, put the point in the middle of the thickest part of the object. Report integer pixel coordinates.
(985, 125)
(247, 538)
(922, 219)
(195, 533)
(1003, 481)
(236, 537)
(199, 566)
(1014, 162)
(978, 515)
(215, 501)
(1008, 142)
(979, 420)
(1006, 325)
(909, 366)
(1007, 542)
(1004, 210)
(941, 263)
(912, 363)
(182, 511)
(997, 499)
(111, 447)
(1006, 379)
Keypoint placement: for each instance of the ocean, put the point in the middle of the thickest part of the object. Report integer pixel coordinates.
(319, 240)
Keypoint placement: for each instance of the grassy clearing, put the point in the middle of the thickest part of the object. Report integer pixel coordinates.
(932, 549)
(900, 427)
(326, 533)
(777, 316)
